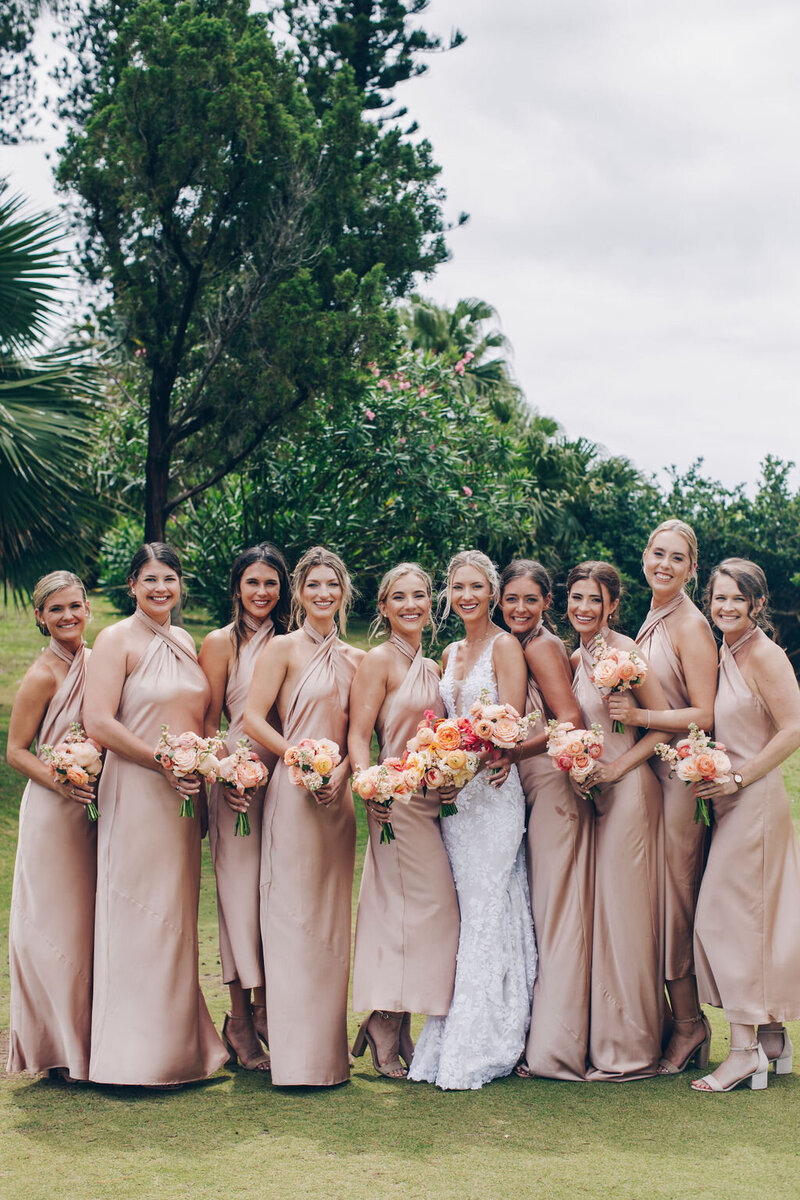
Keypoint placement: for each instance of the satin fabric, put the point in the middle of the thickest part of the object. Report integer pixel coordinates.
(408, 917)
(51, 927)
(237, 860)
(150, 1024)
(627, 994)
(308, 855)
(560, 856)
(685, 841)
(747, 928)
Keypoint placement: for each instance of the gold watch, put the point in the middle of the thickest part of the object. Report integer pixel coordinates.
(737, 779)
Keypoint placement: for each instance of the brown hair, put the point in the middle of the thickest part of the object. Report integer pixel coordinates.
(751, 582)
(47, 586)
(319, 556)
(604, 573)
(381, 623)
(265, 553)
(529, 568)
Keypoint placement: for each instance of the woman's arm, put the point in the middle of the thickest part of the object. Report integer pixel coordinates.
(269, 674)
(367, 695)
(215, 657)
(697, 650)
(769, 675)
(37, 689)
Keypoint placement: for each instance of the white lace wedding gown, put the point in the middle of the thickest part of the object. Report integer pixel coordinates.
(483, 1035)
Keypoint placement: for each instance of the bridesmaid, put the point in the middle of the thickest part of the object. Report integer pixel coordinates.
(308, 840)
(408, 918)
(560, 839)
(150, 1024)
(627, 993)
(259, 589)
(747, 929)
(52, 901)
(677, 641)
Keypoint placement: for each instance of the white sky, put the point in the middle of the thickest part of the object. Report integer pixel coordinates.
(632, 179)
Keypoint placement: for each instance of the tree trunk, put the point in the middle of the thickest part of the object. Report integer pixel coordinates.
(156, 486)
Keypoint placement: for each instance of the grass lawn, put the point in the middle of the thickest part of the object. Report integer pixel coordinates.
(235, 1136)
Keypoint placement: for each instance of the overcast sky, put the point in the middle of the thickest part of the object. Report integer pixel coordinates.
(632, 178)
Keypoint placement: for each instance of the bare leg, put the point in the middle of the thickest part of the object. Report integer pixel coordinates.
(742, 1058)
(260, 1013)
(771, 1038)
(239, 1032)
(688, 1027)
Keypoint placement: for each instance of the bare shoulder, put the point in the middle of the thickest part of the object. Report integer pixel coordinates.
(354, 654)
(546, 651)
(39, 679)
(115, 637)
(218, 641)
(767, 655)
(575, 658)
(689, 619)
(434, 664)
(621, 641)
(507, 645)
(446, 653)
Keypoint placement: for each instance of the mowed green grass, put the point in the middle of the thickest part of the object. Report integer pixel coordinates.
(236, 1136)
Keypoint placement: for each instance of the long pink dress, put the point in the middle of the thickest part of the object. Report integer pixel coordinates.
(150, 1024)
(627, 1006)
(408, 918)
(684, 841)
(308, 855)
(237, 860)
(51, 929)
(560, 857)
(747, 928)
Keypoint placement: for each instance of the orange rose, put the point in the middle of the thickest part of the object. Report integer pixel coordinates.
(705, 766)
(448, 736)
(77, 775)
(456, 760)
(483, 729)
(606, 673)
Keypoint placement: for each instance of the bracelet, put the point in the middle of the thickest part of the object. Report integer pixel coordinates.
(647, 726)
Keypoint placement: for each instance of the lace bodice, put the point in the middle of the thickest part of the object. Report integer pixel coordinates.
(460, 695)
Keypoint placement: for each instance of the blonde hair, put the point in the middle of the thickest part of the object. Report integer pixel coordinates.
(45, 587)
(482, 563)
(319, 556)
(381, 623)
(674, 525)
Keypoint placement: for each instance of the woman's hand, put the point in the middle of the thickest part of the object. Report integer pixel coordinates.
(601, 773)
(74, 791)
(239, 802)
(709, 790)
(499, 764)
(621, 707)
(331, 790)
(189, 785)
(381, 812)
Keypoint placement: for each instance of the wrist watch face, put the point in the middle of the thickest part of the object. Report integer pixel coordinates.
(737, 779)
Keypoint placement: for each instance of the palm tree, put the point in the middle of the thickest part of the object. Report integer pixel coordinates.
(49, 405)
(461, 335)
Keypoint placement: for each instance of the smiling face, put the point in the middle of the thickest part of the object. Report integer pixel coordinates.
(667, 563)
(470, 594)
(156, 589)
(321, 594)
(64, 614)
(523, 604)
(730, 608)
(407, 606)
(589, 607)
(259, 589)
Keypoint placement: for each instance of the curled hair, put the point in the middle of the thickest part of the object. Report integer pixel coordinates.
(47, 586)
(268, 554)
(482, 563)
(320, 556)
(674, 525)
(751, 582)
(529, 568)
(605, 574)
(381, 623)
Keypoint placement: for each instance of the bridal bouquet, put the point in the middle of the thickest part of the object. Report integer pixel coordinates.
(499, 724)
(446, 750)
(574, 751)
(312, 762)
(241, 772)
(395, 779)
(697, 759)
(186, 754)
(77, 760)
(616, 671)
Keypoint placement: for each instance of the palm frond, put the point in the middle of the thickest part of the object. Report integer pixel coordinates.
(29, 273)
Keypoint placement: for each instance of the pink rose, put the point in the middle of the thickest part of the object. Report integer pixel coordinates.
(606, 673)
(249, 774)
(505, 732)
(627, 670)
(184, 759)
(564, 762)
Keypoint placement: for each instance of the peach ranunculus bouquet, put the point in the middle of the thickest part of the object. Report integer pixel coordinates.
(697, 759)
(574, 751)
(241, 772)
(187, 754)
(446, 750)
(616, 670)
(393, 780)
(312, 762)
(77, 760)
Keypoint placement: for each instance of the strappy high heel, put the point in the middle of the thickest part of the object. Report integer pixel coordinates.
(253, 1057)
(393, 1069)
(699, 1055)
(783, 1061)
(757, 1079)
(406, 1044)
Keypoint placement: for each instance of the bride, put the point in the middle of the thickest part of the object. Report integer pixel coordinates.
(483, 1034)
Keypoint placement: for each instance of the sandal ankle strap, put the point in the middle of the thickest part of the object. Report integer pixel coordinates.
(738, 1049)
(687, 1020)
